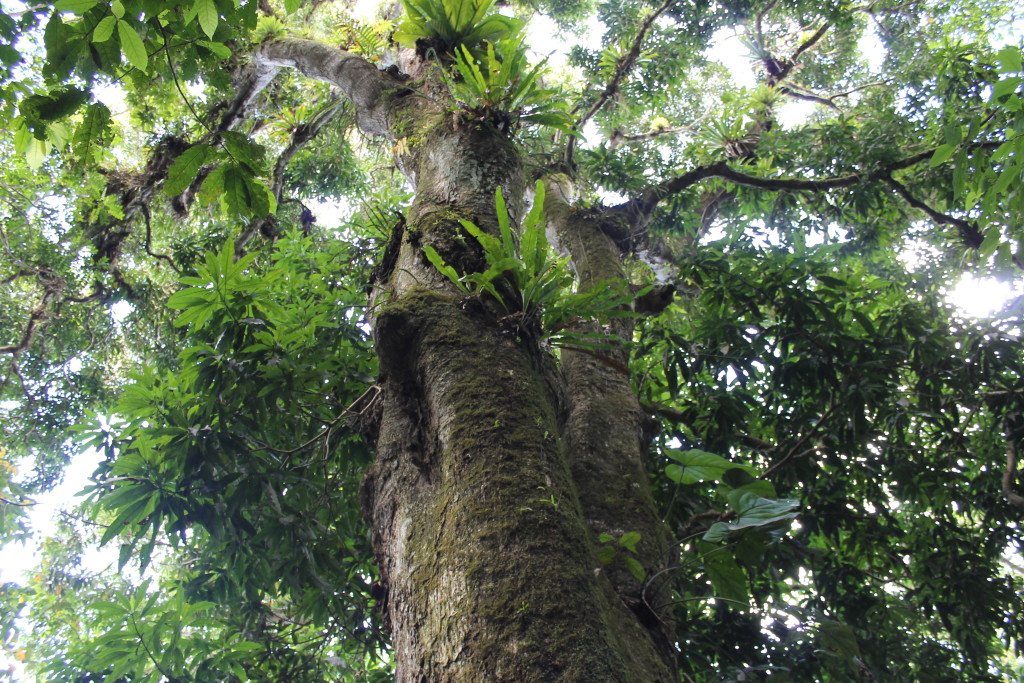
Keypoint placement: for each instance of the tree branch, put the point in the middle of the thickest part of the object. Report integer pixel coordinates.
(623, 68)
(791, 91)
(149, 240)
(1010, 473)
(359, 80)
(811, 41)
(299, 137)
(645, 203)
(52, 287)
(969, 232)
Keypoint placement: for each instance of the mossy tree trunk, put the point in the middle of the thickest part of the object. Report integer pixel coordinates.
(497, 467)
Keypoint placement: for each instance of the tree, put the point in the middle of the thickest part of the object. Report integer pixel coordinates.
(607, 374)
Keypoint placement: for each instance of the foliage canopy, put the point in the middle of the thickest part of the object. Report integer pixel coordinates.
(186, 270)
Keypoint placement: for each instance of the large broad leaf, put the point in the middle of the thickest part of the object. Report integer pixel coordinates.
(697, 465)
(76, 6)
(185, 168)
(55, 105)
(753, 511)
(728, 580)
(104, 29)
(206, 11)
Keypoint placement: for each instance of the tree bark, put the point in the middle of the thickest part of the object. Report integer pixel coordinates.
(489, 489)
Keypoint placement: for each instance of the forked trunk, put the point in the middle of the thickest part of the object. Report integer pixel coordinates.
(493, 478)
(498, 470)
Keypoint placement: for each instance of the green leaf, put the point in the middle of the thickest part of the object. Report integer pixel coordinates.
(261, 198)
(838, 639)
(206, 11)
(132, 46)
(104, 29)
(1010, 60)
(942, 153)
(236, 199)
(244, 151)
(128, 516)
(186, 167)
(634, 567)
(219, 49)
(727, 579)
(247, 646)
(124, 555)
(76, 6)
(629, 540)
(606, 554)
(213, 187)
(952, 134)
(442, 267)
(53, 106)
(753, 511)
(699, 466)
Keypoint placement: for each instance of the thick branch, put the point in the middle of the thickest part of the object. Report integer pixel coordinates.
(360, 81)
(791, 91)
(811, 41)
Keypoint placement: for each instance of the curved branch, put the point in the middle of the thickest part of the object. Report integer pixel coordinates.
(969, 232)
(368, 88)
(647, 201)
(299, 137)
(791, 91)
(638, 209)
(24, 504)
(144, 209)
(759, 21)
(811, 41)
(625, 65)
(51, 288)
(721, 169)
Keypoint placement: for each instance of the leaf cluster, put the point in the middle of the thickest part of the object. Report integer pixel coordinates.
(846, 387)
(501, 86)
(259, 497)
(447, 25)
(527, 280)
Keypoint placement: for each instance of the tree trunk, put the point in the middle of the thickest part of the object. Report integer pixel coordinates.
(490, 489)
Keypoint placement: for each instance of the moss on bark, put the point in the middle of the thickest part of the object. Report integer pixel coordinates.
(497, 579)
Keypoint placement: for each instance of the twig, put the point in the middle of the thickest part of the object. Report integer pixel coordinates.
(793, 455)
(51, 288)
(624, 66)
(144, 208)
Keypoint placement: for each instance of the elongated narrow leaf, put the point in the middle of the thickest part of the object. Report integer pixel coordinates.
(503, 223)
(442, 267)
